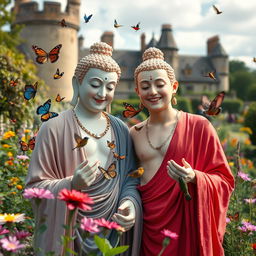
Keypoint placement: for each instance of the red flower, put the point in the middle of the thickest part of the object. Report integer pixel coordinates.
(75, 199)
(254, 246)
(108, 224)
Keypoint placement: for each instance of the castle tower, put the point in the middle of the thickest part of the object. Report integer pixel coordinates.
(42, 28)
(169, 47)
(219, 58)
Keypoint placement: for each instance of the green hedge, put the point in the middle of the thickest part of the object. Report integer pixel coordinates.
(232, 106)
(250, 121)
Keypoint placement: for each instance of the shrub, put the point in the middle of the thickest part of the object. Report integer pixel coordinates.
(250, 121)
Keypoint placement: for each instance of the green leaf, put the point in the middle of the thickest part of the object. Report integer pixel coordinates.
(71, 251)
(102, 243)
(117, 250)
(42, 229)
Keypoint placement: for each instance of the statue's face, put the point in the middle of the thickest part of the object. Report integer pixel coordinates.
(97, 89)
(155, 89)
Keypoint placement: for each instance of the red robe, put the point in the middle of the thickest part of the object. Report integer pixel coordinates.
(201, 222)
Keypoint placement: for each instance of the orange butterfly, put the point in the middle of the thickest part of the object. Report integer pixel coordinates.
(110, 173)
(13, 82)
(130, 111)
(111, 144)
(213, 108)
(211, 75)
(58, 75)
(26, 146)
(58, 98)
(234, 217)
(63, 23)
(137, 173)
(80, 142)
(43, 56)
(117, 156)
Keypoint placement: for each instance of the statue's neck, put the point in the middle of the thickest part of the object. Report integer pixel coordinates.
(86, 115)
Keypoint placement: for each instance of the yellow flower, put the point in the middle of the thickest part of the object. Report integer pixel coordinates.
(246, 129)
(243, 161)
(23, 138)
(233, 142)
(247, 141)
(231, 164)
(10, 154)
(27, 131)
(6, 146)
(14, 180)
(10, 217)
(19, 187)
(8, 135)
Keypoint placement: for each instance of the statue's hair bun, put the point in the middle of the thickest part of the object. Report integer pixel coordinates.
(152, 53)
(101, 48)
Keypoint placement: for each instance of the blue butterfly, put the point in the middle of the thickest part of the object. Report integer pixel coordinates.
(86, 19)
(30, 91)
(43, 110)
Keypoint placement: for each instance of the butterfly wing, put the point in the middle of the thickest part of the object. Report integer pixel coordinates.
(86, 19)
(205, 102)
(47, 116)
(214, 108)
(111, 144)
(78, 138)
(104, 172)
(44, 109)
(31, 143)
(30, 91)
(129, 111)
(58, 98)
(138, 128)
(23, 145)
(42, 55)
(137, 173)
(111, 171)
(54, 53)
(117, 156)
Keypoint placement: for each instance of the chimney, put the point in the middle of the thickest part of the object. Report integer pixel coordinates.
(80, 42)
(212, 42)
(142, 42)
(108, 37)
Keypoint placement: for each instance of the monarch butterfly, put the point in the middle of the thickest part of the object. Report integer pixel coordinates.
(58, 98)
(86, 19)
(213, 108)
(13, 82)
(43, 110)
(111, 144)
(234, 217)
(110, 173)
(58, 75)
(30, 91)
(26, 146)
(43, 56)
(137, 27)
(80, 142)
(130, 111)
(137, 173)
(117, 156)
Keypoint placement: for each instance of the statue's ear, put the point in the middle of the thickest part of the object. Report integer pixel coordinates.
(75, 85)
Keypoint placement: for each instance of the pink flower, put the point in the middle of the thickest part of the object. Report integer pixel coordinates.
(11, 243)
(247, 226)
(88, 224)
(38, 193)
(22, 157)
(3, 230)
(106, 224)
(243, 176)
(227, 220)
(250, 200)
(75, 199)
(169, 234)
(22, 234)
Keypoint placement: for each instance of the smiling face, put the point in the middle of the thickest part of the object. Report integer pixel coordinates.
(155, 89)
(97, 89)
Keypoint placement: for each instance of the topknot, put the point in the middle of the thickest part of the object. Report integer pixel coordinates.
(101, 48)
(152, 53)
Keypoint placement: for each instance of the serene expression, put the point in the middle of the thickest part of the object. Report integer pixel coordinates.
(97, 89)
(155, 89)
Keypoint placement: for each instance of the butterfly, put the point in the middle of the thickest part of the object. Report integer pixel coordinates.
(117, 156)
(86, 19)
(111, 144)
(130, 111)
(43, 56)
(116, 25)
(138, 128)
(110, 173)
(212, 108)
(58, 75)
(254, 59)
(234, 217)
(216, 9)
(58, 98)
(211, 75)
(43, 110)
(137, 27)
(26, 146)
(30, 91)
(63, 23)
(80, 142)
(137, 173)
(13, 82)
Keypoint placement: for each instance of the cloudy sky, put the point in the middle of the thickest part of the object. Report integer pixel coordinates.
(193, 22)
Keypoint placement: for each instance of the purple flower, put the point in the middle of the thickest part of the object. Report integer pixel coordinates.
(22, 234)
(247, 226)
(11, 244)
(38, 193)
(243, 176)
(22, 157)
(88, 224)
(250, 200)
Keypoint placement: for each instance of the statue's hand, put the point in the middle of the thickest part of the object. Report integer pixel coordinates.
(175, 171)
(125, 215)
(84, 175)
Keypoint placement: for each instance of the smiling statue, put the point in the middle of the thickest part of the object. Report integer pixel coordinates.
(91, 168)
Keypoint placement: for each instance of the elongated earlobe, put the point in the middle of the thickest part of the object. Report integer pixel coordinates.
(75, 85)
